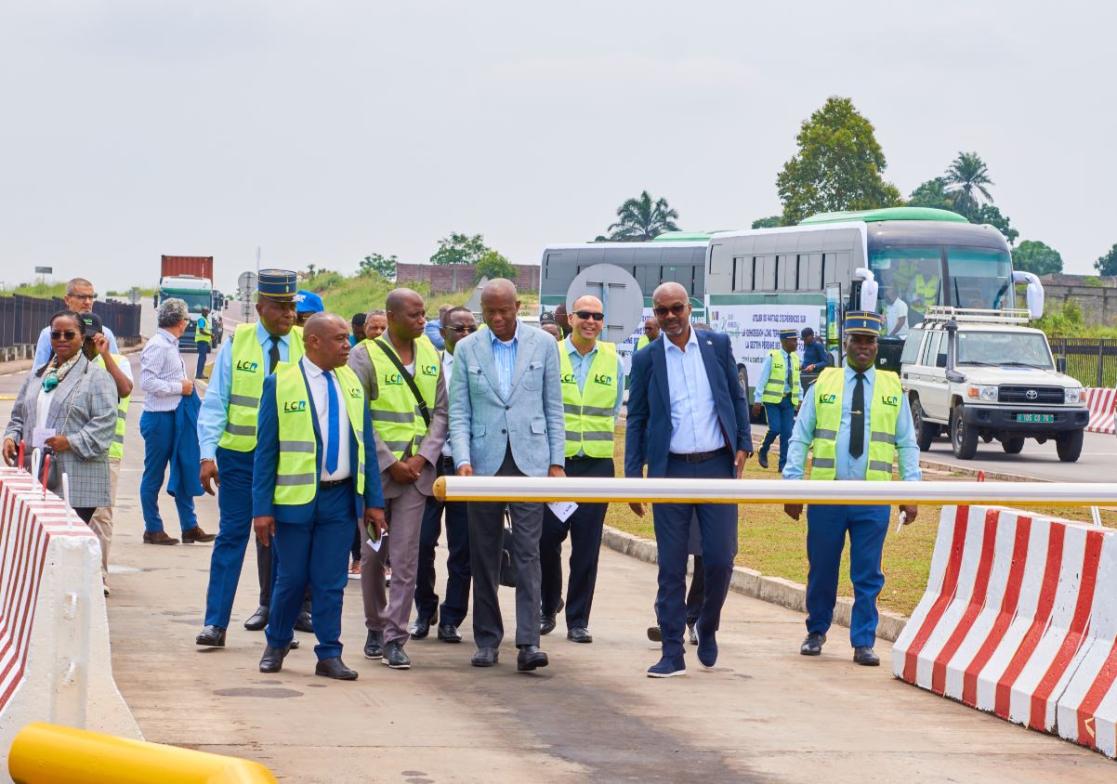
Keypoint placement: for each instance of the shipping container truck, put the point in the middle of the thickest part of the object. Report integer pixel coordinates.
(190, 278)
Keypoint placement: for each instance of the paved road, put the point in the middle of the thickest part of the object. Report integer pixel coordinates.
(765, 714)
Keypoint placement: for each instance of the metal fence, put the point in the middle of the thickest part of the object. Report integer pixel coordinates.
(23, 318)
(1093, 361)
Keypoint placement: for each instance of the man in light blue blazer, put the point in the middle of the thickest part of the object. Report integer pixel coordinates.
(506, 419)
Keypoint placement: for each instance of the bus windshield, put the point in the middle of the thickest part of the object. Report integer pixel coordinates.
(980, 278)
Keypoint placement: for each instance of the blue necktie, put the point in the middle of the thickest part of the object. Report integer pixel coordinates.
(334, 424)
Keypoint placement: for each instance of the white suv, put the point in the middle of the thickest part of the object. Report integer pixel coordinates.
(983, 375)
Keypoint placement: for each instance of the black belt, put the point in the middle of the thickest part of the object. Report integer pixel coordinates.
(698, 457)
(324, 485)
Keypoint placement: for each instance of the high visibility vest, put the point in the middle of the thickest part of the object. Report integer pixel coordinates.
(116, 448)
(296, 477)
(249, 368)
(777, 379)
(884, 413)
(202, 331)
(643, 341)
(590, 423)
(396, 416)
(925, 289)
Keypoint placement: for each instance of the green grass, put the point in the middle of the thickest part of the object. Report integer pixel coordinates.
(41, 290)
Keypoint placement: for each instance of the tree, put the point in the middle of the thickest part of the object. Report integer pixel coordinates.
(932, 193)
(459, 249)
(1037, 257)
(988, 213)
(1107, 264)
(771, 222)
(642, 219)
(310, 270)
(967, 176)
(494, 265)
(839, 166)
(384, 266)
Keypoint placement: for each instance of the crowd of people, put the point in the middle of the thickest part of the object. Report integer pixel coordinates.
(322, 438)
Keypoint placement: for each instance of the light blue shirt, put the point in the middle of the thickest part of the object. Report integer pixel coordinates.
(161, 372)
(215, 406)
(848, 467)
(694, 417)
(42, 347)
(504, 357)
(766, 373)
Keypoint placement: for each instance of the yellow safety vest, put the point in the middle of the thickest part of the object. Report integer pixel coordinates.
(925, 289)
(203, 335)
(116, 448)
(395, 412)
(249, 368)
(296, 478)
(643, 341)
(777, 378)
(884, 412)
(590, 423)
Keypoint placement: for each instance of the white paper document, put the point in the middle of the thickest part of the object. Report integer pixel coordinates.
(562, 509)
(40, 435)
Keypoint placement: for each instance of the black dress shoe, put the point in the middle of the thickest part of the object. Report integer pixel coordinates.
(335, 668)
(530, 658)
(448, 632)
(420, 628)
(374, 645)
(655, 634)
(762, 458)
(865, 656)
(812, 645)
(211, 637)
(304, 623)
(579, 634)
(258, 620)
(272, 660)
(485, 657)
(395, 658)
(547, 623)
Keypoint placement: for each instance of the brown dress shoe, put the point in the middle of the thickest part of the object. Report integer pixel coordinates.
(158, 537)
(196, 534)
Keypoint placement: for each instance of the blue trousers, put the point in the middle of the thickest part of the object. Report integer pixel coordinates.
(203, 352)
(234, 501)
(781, 420)
(158, 431)
(718, 526)
(826, 534)
(456, 604)
(315, 554)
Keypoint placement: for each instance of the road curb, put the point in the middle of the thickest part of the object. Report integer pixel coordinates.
(775, 590)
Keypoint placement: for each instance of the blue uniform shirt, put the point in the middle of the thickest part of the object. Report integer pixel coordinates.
(816, 354)
(215, 407)
(766, 373)
(907, 449)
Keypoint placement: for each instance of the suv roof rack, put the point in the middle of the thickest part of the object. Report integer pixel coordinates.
(976, 315)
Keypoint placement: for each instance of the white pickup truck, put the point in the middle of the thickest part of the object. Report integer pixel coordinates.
(984, 375)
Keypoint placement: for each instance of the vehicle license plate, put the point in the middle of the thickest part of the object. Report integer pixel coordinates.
(1036, 419)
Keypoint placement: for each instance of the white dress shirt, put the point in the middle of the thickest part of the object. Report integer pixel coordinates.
(316, 381)
(161, 372)
(694, 417)
(447, 371)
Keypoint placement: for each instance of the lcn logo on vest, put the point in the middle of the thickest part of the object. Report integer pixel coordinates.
(248, 366)
(890, 400)
(393, 379)
(429, 370)
(293, 406)
(603, 379)
(827, 400)
(569, 378)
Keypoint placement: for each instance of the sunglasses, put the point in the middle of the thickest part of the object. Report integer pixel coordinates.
(460, 330)
(676, 310)
(59, 334)
(589, 314)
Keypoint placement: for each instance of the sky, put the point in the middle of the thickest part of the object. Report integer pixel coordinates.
(324, 131)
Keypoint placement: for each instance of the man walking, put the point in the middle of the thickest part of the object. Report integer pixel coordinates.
(402, 377)
(80, 296)
(815, 355)
(506, 419)
(857, 421)
(592, 392)
(457, 323)
(164, 382)
(227, 437)
(313, 479)
(687, 417)
(203, 340)
(777, 390)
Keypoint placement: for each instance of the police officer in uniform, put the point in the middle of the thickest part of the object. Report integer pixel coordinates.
(227, 437)
(857, 422)
(592, 379)
(314, 477)
(203, 340)
(777, 390)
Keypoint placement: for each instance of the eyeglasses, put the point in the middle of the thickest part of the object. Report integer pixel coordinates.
(589, 314)
(59, 334)
(83, 297)
(675, 310)
(460, 330)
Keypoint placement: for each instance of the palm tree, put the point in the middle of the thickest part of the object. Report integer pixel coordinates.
(641, 219)
(965, 175)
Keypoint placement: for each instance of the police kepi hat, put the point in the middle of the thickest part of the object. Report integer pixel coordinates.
(863, 322)
(278, 284)
(788, 333)
(308, 302)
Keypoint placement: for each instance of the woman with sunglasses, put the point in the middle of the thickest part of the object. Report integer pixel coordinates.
(68, 405)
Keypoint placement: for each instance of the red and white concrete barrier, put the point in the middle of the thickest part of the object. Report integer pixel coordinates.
(55, 663)
(1020, 619)
(1101, 403)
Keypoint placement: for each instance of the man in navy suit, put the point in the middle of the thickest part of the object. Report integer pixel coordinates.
(687, 417)
(314, 476)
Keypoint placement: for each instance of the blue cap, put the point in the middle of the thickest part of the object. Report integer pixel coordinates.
(863, 322)
(278, 284)
(308, 302)
(788, 333)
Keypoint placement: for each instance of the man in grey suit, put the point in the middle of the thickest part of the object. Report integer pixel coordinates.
(506, 419)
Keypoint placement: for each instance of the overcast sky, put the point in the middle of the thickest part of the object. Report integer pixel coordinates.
(322, 131)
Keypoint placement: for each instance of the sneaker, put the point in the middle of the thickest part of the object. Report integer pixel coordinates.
(667, 668)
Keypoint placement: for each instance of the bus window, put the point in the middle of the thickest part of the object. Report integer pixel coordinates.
(766, 268)
(913, 276)
(979, 278)
(733, 275)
